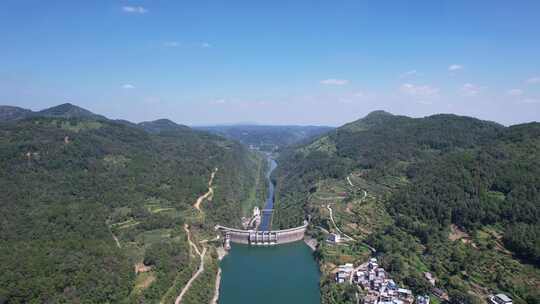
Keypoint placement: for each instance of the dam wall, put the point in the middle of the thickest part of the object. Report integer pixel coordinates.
(255, 237)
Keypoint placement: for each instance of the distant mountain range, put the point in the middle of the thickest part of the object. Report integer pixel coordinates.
(267, 138)
(250, 134)
(162, 125)
(66, 110)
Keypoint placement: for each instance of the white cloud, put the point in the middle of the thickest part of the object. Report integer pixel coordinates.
(175, 44)
(455, 67)
(332, 81)
(411, 73)
(471, 90)
(362, 94)
(514, 92)
(171, 44)
(419, 91)
(128, 86)
(134, 9)
(533, 80)
(220, 101)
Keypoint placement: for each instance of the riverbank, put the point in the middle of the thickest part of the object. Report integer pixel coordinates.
(221, 252)
(216, 289)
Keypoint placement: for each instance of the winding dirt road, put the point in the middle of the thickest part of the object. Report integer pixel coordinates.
(199, 271)
(333, 222)
(208, 195)
(352, 185)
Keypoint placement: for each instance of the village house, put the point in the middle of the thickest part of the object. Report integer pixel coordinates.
(344, 272)
(439, 293)
(422, 299)
(500, 298)
(333, 238)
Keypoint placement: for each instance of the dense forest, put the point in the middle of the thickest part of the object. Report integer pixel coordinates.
(452, 195)
(85, 200)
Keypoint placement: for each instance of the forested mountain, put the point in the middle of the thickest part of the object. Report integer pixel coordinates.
(267, 138)
(66, 110)
(8, 113)
(455, 196)
(381, 144)
(85, 200)
(163, 126)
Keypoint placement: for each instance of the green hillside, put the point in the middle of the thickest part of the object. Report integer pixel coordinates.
(455, 196)
(85, 199)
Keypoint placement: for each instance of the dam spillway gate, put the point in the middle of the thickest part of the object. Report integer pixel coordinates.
(263, 237)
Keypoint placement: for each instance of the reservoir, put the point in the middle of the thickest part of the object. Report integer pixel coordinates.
(280, 274)
(267, 275)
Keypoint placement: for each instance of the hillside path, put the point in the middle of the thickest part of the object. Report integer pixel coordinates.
(352, 185)
(341, 232)
(349, 180)
(334, 223)
(209, 194)
(116, 240)
(199, 271)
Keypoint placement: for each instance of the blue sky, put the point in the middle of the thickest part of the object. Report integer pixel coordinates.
(275, 62)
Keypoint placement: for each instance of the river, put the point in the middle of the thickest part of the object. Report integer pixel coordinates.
(284, 274)
(266, 221)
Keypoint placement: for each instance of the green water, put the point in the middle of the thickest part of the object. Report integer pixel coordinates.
(262, 275)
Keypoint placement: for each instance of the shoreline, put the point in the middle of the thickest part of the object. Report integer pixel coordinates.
(221, 254)
(311, 242)
(216, 290)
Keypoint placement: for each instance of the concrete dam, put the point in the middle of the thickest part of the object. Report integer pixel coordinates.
(263, 237)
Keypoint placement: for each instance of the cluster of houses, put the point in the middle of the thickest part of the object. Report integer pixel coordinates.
(380, 289)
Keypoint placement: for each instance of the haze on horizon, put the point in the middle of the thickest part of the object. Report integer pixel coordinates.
(278, 62)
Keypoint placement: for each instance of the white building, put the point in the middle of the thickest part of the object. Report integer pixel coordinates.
(349, 267)
(422, 299)
(500, 298)
(341, 277)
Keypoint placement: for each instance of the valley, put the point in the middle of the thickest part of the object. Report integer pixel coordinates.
(270, 152)
(446, 205)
